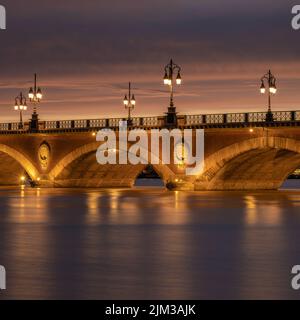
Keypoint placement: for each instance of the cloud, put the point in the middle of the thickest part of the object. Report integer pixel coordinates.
(86, 52)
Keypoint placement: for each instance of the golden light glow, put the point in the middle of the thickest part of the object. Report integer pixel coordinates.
(251, 130)
(297, 172)
(178, 79)
(251, 210)
(181, 164)
(126, 101)
(273, 90)
(263, 90)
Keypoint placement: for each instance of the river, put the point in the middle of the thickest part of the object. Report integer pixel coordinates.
(149, 243)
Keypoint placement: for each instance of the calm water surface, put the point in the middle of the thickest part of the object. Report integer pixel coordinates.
(149, 244)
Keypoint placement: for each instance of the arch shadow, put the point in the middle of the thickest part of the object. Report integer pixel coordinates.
(80, 169)
(14, 164)
(260, 163)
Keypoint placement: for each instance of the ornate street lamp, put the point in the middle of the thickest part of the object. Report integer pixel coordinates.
(20, 105)
(35, 96)
(268, 83)
(170, 70)
(129, 104)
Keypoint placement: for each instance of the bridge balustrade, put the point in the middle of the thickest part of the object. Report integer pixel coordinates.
(113, 123)
(194, 119)
(50, 125)
(236, 118)
(259, 118)
(150, 122)
(14, 126)
(4, 126)
(136, 122)
(283, 116)
(98, 123)
(80, 123)
(214, 118)
(65, 124)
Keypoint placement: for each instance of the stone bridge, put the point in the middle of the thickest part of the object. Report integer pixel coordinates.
(242, 152)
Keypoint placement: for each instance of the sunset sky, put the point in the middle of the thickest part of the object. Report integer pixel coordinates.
(85, 52)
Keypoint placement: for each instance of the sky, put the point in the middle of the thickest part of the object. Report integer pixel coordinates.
(86, 52)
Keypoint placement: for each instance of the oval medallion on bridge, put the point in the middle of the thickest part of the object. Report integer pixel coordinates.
(44, 155)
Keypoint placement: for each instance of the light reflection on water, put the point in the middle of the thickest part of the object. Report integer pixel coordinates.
(148, 244)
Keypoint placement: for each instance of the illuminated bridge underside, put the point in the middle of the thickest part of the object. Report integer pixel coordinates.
(86, 172)
(265, 165)
(10, 170)
(250, 165)
(256, 169)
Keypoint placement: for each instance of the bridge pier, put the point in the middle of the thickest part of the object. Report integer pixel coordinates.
(45, 182)
(181, 183)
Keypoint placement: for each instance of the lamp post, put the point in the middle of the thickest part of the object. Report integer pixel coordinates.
(170, 70)
(20, 105)
(35, 96)
(129, 104)
(268, 83)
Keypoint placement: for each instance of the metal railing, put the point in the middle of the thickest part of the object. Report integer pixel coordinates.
(238, 118)
(202, 120)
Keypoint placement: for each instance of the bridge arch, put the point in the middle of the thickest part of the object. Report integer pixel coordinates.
(13, 164)
(259, 163)
(80, 168)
